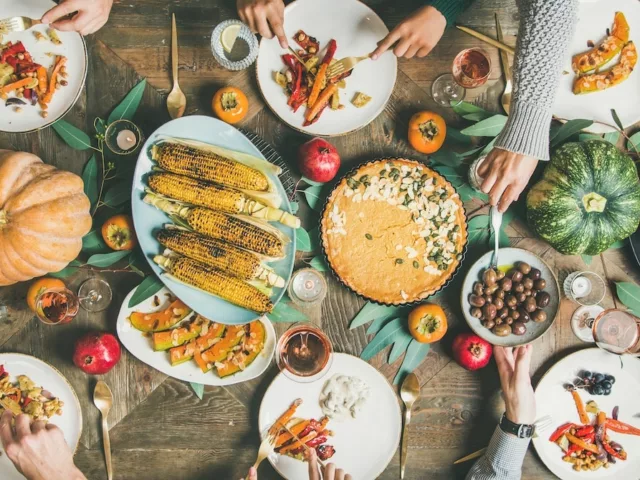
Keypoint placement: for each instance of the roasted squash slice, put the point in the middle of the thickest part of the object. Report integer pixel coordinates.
(596, 82)
(251, 347)
(159, 321)
(182, 353)
(207, 359)
(606, 50)
(178, 336)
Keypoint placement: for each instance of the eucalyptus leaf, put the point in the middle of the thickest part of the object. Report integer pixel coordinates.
(371, 311)
(503, 239)
(100, 126)
(479, 221)
(303, 242)
(399, 347)
(90, 179)
(489, 127)
(466, 108)
(72, 136)
(472, 151)
(612, 137)
(446, 157)
(129, 105)
(103, 260)
(149, 286)
(198, 388)
(284, 313)
(629, 294)
(476, 117)
(454, 136)
(66, 271)
(416, 353)
(92, 242)
(587, 259)
(588, 136)
(318, 263)
(570, 128)
(377, 324)
(618, 244)
(616, 119)
(385, 337)
(118, 194)
(295, 206)
(313, 196)
(314, 238)
(467, 193)
(633, 143)
(488, 147)
(451, 174)
(312, 182)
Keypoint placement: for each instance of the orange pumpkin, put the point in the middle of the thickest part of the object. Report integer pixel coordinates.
(40, 285)
(427, 131)
(44, 214)
(427, 323)
(118, 233)
(230, 104)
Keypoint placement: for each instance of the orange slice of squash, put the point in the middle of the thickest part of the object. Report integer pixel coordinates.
(596, 82)
(251, 347)
(606, 50)
(234, 334)
(182, 353)
(159, 321)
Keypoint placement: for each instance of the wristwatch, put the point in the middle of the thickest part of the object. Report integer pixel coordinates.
(520, 430)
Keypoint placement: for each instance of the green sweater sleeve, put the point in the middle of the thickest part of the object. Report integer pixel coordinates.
(450, 8)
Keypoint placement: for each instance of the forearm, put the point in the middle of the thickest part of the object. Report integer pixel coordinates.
(546, 28)
(450, 8)
(502, 460)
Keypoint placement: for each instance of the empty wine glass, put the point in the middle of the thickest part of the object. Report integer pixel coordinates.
(95, 295)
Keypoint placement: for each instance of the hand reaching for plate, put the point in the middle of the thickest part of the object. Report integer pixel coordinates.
(330, 471)
(416, 35)
(90, 17)
(38, 450)
(265, 17)
(513, 367)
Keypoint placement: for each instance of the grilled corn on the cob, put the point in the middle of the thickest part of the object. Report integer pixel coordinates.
(219, 255)
(210, 280)
(196, 163)
(224, 227)
(217, 197)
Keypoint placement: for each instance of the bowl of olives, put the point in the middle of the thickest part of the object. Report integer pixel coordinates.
(513, 304)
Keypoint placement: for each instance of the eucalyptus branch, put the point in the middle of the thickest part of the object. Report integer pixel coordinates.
(616, 128)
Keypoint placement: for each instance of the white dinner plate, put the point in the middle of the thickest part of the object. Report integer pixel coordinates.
(553, 400)
(147, 219)
(140, 346)
(595, 17)
(364, 445)
(356, 29)
(43, 374)
(73, 47)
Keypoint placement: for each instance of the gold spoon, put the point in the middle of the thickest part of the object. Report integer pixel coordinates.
(409, 392)
(103, 400)
(176, 101)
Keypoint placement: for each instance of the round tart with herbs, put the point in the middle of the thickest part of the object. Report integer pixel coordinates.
(394, 231)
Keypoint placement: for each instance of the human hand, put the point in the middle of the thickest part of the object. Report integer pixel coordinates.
(38, 450)
(513, 368)
(253, 474)
(505, 176)
(265, 17)
(91, 16)
(328, 473)
(416, 35)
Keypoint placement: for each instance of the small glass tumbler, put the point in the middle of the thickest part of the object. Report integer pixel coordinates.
(123, 137)
(585, 288)
(307, 287)
(244, 34)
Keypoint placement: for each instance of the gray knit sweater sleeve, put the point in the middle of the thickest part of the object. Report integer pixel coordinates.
(546, 28)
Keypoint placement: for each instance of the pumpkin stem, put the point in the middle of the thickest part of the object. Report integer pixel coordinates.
(594, 202)
(429, 129)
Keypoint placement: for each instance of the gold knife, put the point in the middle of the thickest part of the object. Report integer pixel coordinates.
(471, 456)
(301, 61)
(486, 39)
(505, 99)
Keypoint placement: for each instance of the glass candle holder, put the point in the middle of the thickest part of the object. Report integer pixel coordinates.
(245, 49)
(123, 137)
(585, 288)
(307, 287)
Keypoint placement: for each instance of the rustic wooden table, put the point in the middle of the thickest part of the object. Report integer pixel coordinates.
(160, 429)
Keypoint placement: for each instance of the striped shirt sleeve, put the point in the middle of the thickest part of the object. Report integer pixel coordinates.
(502, 460)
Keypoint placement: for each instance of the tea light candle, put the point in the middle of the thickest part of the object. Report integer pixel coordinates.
(580, 287)
(126, 140)
(307, 286)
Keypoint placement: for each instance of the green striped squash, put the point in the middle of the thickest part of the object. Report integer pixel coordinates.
(588, 198)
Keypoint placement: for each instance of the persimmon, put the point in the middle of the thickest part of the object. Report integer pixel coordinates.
(427, 323)
(40, 285)
(427, 131)
(230, 104)
(118, 233)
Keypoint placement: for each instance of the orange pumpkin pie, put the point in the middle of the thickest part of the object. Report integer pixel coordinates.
(394, 231)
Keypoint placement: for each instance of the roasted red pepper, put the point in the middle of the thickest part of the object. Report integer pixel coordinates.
(26, 401)
(296, 92)
(325, 452)
(585, 431)
(573, 449)
(306, 41)
(290, 61)
(331, 51)
(621, 427)
(11, 51)
(560, 431)
(319, 440)
(622, 455)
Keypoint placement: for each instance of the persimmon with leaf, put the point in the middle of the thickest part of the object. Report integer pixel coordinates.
(118, 233)
(427, 131)
(427, 323)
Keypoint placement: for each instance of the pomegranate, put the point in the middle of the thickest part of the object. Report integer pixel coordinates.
(471, 352)
(96, 353)
(319, 160)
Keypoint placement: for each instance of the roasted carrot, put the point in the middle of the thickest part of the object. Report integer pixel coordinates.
(584, 417)
(286, 436)
(322, 74)
(297, 444)
(322, 102)
(582, 444)
(15, 85)
(41, 73)
(53, 80)
(285, 417)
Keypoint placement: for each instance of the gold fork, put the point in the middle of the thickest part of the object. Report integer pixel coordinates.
(17, 24)
(266, 448)
(344, 65)
(505, 100)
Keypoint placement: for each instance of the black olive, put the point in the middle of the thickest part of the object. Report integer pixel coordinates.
(530, 305)
(478, 289)
(516, 276)
(477, 301)
(521, 297)
(527, 282)
(499, 294)
(488, 298)
(518, 287)
(503, 313)
(524, 267)
(528, 292)
(524, 315)
(539, 316)
(540, 284)
(519, 328)
(535, 273)
(511, 300)
(502, 330)
(506, 284)
(489, 323)
(489, 311)
(489, 277)
(509, 320)
(543, 299)
(490, 289)
(498, 302)
(476, 312)
(515, 315)
(500, 274)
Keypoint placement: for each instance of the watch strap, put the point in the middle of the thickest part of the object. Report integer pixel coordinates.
(520, 430)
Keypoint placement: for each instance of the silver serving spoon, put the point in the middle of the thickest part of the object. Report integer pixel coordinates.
(495, 216)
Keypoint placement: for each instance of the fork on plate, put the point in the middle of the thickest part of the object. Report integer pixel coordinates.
(344, 65)
(17, 24)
